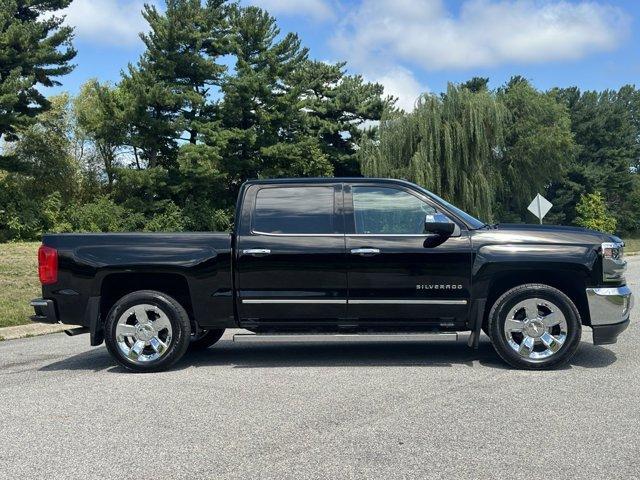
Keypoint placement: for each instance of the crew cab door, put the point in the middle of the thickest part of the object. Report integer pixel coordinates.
(397, 273)
(291, 265)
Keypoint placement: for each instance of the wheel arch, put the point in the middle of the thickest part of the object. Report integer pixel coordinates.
(116, 285)
(569, 281)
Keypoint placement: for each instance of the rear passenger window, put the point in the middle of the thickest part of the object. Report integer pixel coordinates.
(294, 210)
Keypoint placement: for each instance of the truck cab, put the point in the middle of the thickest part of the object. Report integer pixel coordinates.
(332, 254)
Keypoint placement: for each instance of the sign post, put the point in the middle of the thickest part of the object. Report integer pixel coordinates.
(540, 206)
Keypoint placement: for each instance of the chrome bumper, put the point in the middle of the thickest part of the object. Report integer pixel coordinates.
(608, 305)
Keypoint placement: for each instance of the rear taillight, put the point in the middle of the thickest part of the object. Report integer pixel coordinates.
(47, 265)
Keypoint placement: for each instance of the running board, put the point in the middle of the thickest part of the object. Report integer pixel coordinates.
(341, 337)
(77, 331)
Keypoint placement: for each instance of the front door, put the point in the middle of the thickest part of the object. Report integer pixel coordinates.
(291, 261)
(397, 273)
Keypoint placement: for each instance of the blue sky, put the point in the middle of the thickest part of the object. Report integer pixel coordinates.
(412, 46)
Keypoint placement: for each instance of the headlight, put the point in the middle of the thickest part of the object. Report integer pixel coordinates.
(613, 250)
(613, 264)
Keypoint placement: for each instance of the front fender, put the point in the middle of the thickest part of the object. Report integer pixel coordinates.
(493, 260)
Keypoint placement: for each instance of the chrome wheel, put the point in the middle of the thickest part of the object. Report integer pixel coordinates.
(143, 333)
(535, 328)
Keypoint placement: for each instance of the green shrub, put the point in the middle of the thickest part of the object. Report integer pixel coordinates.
(170, 219)
(592, 213)
(101, 215)
(22, 216)
(202, 216)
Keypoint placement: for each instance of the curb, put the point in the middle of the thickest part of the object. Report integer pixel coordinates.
(31, 330)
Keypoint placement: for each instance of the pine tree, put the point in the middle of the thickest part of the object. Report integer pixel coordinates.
(608, 149)
(338, 107)
(170, 87)
(262, 111)
(35, 49)
(538, 146)
(477, 84)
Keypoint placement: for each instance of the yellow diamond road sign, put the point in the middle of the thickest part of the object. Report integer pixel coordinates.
(540, 207)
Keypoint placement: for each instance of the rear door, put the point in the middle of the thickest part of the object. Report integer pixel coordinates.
(397, 272)
(291, 255)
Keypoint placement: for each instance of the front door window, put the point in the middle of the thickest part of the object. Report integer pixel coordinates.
(384, 211)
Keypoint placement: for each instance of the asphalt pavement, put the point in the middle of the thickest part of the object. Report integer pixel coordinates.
(321, 411)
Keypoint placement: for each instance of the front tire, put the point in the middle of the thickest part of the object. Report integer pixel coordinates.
(535, 327)
(147, 331)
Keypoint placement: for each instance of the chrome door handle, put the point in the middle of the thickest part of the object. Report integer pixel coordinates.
(365, 252)
(257, 252)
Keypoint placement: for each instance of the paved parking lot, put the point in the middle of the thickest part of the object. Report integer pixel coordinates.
(325, 411)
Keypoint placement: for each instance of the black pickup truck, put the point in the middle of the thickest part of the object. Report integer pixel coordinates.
(340, 259)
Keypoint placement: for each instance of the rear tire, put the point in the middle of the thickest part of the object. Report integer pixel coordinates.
(535, 327)
(147, 331)
(205, 339)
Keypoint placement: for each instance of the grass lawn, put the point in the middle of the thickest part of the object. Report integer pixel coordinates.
(631, 245)
(18, 282)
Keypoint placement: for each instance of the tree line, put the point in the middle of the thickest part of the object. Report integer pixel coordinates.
(491, 152)
(221, 95)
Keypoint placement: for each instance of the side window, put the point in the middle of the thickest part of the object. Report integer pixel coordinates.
(382, 210)
(294, 210)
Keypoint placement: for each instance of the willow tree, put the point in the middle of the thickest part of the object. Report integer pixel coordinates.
(449, 144)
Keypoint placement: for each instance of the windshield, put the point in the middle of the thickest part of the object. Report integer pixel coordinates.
(473, 222)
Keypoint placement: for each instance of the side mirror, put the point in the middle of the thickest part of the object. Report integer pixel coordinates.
(439, 224)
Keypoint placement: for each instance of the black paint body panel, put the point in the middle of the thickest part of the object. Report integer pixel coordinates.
(404, 264)
(86, 260)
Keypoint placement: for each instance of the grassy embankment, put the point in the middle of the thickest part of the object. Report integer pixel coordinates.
(632, 245)
(19, 279)
(18, 282)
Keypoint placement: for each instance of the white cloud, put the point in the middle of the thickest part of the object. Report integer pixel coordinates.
(317, 9)
(484, 32)
(401, 83)
(111, 22)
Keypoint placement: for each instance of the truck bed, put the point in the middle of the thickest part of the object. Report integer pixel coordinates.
(95, 263)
